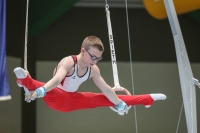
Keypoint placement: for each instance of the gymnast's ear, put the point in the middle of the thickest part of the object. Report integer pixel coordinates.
(82, 50)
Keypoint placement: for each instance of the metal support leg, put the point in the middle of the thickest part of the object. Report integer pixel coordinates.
(185, 72)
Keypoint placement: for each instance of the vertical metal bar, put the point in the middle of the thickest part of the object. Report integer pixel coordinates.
(185, 71)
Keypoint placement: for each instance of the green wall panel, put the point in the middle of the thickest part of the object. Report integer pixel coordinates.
(42, 13)
(195, 15)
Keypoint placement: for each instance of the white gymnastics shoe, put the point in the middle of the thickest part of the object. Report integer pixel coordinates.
(158, 96)
(155, 97)
(20, 73)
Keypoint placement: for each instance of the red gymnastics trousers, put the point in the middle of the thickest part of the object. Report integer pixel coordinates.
(63, 101)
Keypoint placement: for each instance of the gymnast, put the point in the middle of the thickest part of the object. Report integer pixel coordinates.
(60, 92)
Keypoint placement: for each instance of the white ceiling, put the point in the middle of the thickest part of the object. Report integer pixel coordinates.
(111, 3)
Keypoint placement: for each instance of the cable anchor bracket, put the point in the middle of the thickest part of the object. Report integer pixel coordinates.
(196, 81)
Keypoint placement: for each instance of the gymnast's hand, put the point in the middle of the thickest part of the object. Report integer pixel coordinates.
(38, 93)
(33, 95)
(122, 108)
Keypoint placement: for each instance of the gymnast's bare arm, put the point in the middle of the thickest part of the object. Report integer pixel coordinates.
(103, 86)
(65, 65)
(63, 68)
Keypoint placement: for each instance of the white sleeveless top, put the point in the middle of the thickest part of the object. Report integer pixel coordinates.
(71, 83)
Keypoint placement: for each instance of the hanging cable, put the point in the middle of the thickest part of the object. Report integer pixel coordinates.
(25, 48)
(179, 119)
(106, 2)
(26, 37)
(131, 66)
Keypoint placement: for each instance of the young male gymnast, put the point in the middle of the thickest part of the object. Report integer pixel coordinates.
(60, 93)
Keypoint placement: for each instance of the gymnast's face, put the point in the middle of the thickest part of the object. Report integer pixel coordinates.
(92, 56)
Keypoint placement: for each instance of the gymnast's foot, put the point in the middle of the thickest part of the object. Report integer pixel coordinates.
(21, 74)
(158, 96)
(155, 97)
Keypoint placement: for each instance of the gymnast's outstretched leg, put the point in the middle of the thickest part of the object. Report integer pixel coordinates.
(60, 100)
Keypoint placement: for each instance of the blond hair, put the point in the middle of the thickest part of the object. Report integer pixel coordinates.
(92, 41)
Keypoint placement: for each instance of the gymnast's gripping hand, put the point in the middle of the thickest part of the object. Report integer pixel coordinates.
(38, 93)
(31, 95)
(119, 88)
(122, 107)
